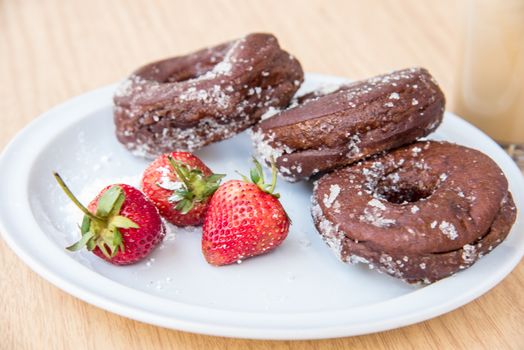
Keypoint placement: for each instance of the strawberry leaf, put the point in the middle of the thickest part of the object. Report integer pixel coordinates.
(171, 185)
(103, 249)
(107, 236)
(107, 201)
(193, 173)
(255, 177)
(121, 245)
(184, 206)
(180, 170)
(86, 224)
(117, 242)
(211, 184)
(122, 222)
(81, 243)
(196, 186)
(176, 197)
(214, 178)
(91, 244)
(244, 177)
(118, 204)
(259, 170)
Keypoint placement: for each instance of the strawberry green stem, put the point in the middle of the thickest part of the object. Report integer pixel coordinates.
(71, 196)
(198, 186)
(273, 176)
(257, 177)
(179, 172)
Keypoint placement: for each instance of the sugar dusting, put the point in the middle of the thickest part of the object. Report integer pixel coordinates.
(264, 148)
(330, 232)
(166, 182)
(334, 191)
(215, 95)
(267, 149)
(374, 216)
(271, 111)
(394, 96)
(187, 139)
(390, 266)
(448, 230)
(377, 204)
(353, 146)
(469, 253)
(327, 89)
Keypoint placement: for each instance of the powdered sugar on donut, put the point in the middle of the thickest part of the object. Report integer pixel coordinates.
(448, 230)
(213, 95)
(330, 232)
(469, 253)
(334, 191)
(268, 150)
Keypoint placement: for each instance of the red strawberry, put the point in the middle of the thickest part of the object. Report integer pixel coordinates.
(180, 185)
(244, 219)
(120, 225)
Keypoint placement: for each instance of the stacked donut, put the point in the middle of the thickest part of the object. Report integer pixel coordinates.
(417, 210)
(326, 131)
(420, 212)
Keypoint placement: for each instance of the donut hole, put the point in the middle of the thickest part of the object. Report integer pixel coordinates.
(190, 73)
(183, 76)
(205, 66)
(403, 195)
(402, 191)
(164, 73)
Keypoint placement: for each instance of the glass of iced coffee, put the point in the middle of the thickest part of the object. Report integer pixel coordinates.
(491, 81)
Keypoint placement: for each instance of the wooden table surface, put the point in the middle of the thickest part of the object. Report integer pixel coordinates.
(53, 50)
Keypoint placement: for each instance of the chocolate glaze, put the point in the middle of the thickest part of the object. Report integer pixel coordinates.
(420, 213)
(324, 132)
(187, 102)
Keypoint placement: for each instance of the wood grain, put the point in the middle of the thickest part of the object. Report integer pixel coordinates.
(53, 50)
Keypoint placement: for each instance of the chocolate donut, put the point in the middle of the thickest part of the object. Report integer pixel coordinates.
(326, 131)
(187, 102)
(419, 213)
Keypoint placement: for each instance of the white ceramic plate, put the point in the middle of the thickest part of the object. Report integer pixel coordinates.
(299, 291)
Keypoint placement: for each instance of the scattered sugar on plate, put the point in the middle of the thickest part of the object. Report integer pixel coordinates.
(305, 243)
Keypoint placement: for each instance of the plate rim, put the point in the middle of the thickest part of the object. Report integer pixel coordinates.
(214, 328)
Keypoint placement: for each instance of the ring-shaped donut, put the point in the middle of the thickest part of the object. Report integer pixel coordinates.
(330, 129)
(419, 213)
(187, 102)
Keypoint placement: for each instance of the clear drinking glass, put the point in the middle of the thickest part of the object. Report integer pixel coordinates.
(491, 84)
